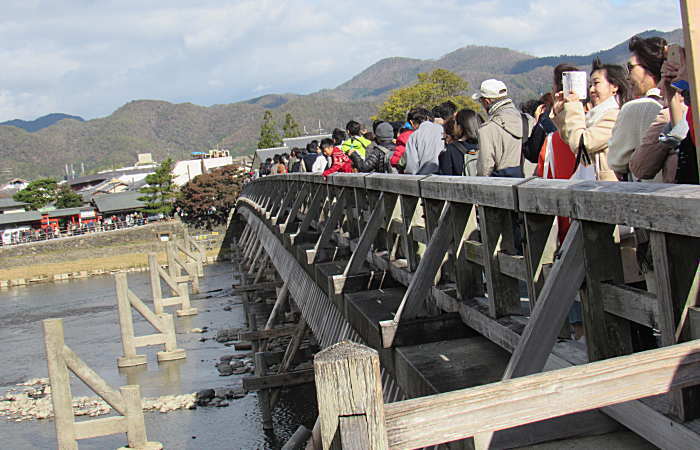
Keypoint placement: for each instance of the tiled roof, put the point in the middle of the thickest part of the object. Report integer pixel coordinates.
(9, 203)
(121, 201)
(20, 217)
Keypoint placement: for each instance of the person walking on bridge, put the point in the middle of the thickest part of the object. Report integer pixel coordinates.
(588, 133)
(356, 142)
(378, 153)
(644, 69)
(502, 135)
(425, 144)
(340, 161)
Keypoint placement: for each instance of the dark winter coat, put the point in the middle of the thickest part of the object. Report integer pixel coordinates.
(375, 159)
(452, 159)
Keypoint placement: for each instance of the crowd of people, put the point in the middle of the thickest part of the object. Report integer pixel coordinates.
(108, 223)
(634, 125)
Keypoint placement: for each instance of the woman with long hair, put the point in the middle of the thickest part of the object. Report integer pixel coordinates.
(278, 166)
(459, 157)
(588, 133)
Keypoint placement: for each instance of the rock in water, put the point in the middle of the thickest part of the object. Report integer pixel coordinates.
(225, 393)
(226, 358)
(224, 369)
(226, 335)
(204, 396)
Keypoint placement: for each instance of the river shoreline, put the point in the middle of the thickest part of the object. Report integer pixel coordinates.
(95, 254)
(76, 270)
(88, 308)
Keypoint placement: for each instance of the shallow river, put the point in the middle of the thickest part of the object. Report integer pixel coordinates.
(88, 309)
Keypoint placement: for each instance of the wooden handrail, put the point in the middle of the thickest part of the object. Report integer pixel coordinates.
(435, 419)
(653, 206)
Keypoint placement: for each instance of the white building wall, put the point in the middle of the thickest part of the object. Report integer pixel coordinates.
(185, 171)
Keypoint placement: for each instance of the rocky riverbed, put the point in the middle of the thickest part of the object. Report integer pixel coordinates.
(32, 400)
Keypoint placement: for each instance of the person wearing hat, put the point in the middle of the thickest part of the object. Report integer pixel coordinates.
(501, 136)
(378, 153)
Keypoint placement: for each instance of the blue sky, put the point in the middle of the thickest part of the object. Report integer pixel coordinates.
(89, 57)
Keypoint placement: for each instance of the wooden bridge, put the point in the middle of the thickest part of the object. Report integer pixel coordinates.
(453, 295)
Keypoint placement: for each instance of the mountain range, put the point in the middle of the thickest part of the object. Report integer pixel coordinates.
(174, 130)
(40, 123)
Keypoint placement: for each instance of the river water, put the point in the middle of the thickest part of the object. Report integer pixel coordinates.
(89, 313)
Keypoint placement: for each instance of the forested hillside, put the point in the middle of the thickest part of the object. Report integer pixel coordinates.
(161, 128)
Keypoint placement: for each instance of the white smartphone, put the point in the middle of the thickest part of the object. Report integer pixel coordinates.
(576, 82)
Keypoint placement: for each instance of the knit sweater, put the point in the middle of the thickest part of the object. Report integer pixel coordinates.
(632, 122)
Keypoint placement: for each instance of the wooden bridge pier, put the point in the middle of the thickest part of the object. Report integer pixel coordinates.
(396, 263)
(266, 382)
(126, 402)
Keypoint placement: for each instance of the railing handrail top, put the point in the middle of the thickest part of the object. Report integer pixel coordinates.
(672, 208)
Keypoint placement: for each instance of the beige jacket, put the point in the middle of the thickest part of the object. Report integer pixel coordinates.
(652, 155)
(500, 139)
(571, 122)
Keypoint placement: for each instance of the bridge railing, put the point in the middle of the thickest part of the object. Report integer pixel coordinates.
(352, 414)
(443, 236)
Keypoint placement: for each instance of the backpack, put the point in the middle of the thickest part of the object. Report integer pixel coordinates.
(526, 135)
(470, 158)
(387, 158)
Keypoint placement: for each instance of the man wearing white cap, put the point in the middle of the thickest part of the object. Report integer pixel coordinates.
(501, 136)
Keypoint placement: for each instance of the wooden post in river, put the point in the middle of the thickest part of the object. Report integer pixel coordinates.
(126, 402)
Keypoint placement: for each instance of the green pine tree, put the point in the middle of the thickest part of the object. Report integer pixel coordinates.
(290, 127)
(68, 198)
(269, 137)
(38, 193)
(160, 190)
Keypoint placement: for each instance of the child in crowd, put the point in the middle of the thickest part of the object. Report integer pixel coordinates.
(340, 162)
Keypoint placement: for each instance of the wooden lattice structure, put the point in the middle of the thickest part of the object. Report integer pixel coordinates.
(394, 262)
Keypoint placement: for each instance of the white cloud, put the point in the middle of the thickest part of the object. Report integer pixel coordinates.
(23, 104)
(89, 58)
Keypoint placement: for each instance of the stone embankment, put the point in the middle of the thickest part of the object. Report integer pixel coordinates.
(71, 247)
(89, 255)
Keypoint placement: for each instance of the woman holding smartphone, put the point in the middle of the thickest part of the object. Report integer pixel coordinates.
(587, 133)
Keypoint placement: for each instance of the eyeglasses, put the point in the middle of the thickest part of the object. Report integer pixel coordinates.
(631, 66)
